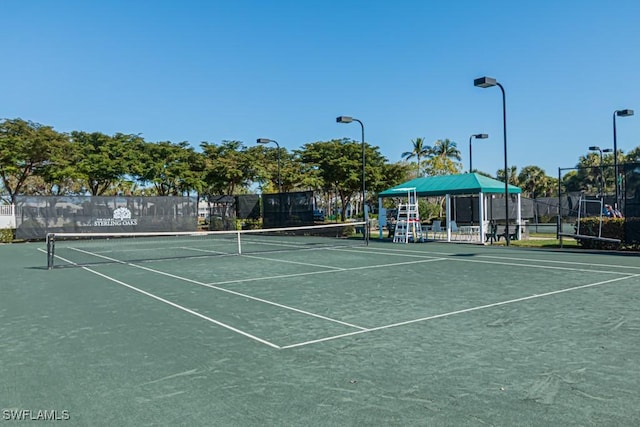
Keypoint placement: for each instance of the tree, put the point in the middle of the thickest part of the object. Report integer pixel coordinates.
(59, 176)
(533, 181)
(444, 154)
(392, 174)
(446, 149)
(339, 164)
(591, 173)
(173, 169)
(293, 174)
(227, 168)
(101, 161)
(420, 151)
(633, 156)
(513, 175)
(571, 181)
(25, 149)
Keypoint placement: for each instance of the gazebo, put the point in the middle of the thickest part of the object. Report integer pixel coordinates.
(449, 185)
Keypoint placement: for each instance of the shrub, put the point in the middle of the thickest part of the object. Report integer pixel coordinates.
(6, 235)
(612, 228)
(348, 230)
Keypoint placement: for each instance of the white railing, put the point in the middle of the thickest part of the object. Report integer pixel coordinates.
(7, 216)
(7, 210)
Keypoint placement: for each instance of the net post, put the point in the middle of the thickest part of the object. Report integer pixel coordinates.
(239, 244)
(50, 250)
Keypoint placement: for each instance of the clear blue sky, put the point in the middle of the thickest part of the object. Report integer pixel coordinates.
(243, 69)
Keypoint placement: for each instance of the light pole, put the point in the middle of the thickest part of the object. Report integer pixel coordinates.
(266, 141)
(620, 113)
(602, 183)
(485, 82)
(477, 136)
(347, 119)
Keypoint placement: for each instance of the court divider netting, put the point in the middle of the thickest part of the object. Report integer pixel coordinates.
(79, 249)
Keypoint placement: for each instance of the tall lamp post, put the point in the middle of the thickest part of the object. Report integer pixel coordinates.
(485, 82)
(266, 141)
(602, 183)
(347, 119)
(477, 136)
(620, 113)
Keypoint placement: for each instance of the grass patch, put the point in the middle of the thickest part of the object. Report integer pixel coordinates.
(541, 240)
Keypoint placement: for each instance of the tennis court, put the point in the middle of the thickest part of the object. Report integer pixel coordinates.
(385, 334)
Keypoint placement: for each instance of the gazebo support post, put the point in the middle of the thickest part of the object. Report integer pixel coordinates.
(519, 217)
(380, 223)
(448, 214)
(481, 216)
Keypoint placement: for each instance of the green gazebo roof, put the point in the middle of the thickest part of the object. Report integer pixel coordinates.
(468, 183)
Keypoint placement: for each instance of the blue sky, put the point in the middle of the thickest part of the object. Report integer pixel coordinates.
(239, 70)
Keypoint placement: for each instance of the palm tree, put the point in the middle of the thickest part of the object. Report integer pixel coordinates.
(419, 151)
(590, 172)
(442, 161)
(513, 175)
(446, 149)
(533, 180)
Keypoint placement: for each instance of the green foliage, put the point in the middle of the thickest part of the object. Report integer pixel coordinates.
(611, 228)
(338, 163)
(535, 183)
(513, 175)
(420, 151)
(173, 169)
(427, 209)
(36, 159)
(443, 159)
(25, 149)
(392, 174)
(227, 168)
(101, 161)
(248, 224)
(548, 219)
(7, 235)
(348, 231)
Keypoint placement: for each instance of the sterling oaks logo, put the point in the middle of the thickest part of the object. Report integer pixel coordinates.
(121, 216)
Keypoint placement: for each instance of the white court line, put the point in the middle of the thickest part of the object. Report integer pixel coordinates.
(455, 257)
(410, 254)
(195, 282)
(180, 307)
(294, 262)
(208, 251)
(466, 310)
(311, 273)
(390, 251)
(543, 267)
(400, 252)
(562, 262)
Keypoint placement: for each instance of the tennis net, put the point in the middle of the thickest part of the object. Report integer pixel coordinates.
(81, 249)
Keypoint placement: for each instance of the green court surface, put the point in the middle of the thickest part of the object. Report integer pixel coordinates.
(425, 334)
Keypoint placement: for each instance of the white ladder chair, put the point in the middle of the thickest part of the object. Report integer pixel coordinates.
(408, 226)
